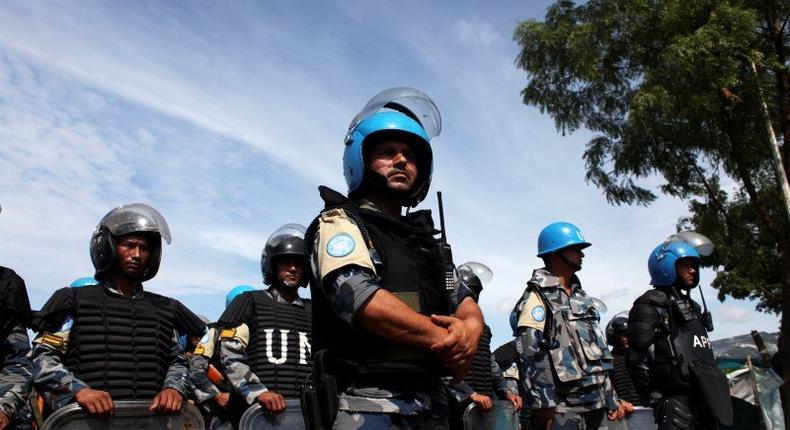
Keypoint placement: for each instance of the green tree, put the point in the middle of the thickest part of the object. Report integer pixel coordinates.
(669, 90)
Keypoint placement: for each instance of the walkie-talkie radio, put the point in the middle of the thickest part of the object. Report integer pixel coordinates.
(445, 254)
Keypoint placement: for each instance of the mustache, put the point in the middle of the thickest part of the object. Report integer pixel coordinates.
(395, 170)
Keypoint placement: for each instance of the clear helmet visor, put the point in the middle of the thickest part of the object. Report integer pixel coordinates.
(409, 101)
(136, 218)
(700, 242)
(599, 304)
(286, 232)
(480, 270)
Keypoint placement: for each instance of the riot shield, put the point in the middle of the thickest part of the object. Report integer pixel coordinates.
(641, 419)
(129, 415)
(257, 418)
(503, 417)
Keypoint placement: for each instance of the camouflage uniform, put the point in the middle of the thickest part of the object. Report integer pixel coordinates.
(349, 283)
(17, 371)
(59, 385)
(572, 375)
(204, 389)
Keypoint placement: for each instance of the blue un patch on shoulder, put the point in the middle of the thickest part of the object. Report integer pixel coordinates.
(538, 313)
(340, 245)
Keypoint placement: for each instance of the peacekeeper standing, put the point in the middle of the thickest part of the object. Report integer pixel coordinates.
(485, 378)
(388, 321)
(211, 387)
(116, 341)
(564, 359)
(265, 334)
(16, 374)
(671, 358)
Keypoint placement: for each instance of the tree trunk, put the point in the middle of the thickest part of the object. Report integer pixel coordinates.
(784, 337)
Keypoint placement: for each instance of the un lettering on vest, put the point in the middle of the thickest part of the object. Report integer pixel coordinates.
(702, 342)
(304, 346)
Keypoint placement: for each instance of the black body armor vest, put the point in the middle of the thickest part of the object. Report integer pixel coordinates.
(404, 251)
(480, 377)
(121, 345)
(680, 341)
(279, 351)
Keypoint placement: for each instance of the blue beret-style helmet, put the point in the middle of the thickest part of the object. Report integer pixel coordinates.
(82, 282)
(560, 235)
(235, 291)
(661, 263)
(405, 111)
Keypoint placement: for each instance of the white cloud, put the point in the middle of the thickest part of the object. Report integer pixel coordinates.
(734, 314)
(476, 32)
(226, 119)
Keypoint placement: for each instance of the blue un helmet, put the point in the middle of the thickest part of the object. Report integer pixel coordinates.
(82, 282)
(235, 291)
(686, 244)
(403, 110)
(560, 235)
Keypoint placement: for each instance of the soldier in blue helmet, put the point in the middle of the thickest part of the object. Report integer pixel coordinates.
(671, 357)
(382, 326)
(563, 356)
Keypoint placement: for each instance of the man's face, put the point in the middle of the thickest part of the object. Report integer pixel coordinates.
(394, 160)
(289, 270)
(623, 341)
(574, 254)
(686, 269)
(134, 254)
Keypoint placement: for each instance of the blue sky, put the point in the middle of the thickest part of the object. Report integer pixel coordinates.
(227, 116)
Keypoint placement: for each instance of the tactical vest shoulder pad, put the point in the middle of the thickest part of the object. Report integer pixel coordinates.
(655, 298)
(57, 308)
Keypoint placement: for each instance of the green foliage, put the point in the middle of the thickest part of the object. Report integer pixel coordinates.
(668, 88)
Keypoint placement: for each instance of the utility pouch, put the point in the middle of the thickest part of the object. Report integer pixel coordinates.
(310, 408)
(325, 379)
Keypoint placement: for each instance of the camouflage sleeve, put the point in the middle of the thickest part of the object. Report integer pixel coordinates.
(460, 390)
(233, 354)
(348, 289)
(177, 376)
(609, 394)
(535, 370)
(53, 378)
(204, 389)
(17, 373)
(462, 291)
(503, 384)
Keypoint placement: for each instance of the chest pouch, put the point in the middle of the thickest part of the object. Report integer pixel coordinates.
(582, 344)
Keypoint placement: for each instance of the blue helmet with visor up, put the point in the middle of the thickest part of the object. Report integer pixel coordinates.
(685, 244)
(402, 112)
